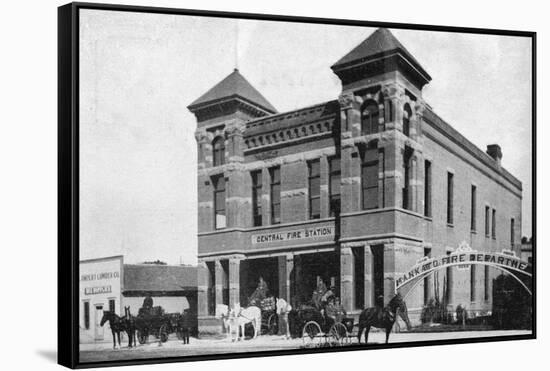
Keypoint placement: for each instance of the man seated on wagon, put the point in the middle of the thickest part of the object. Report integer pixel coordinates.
(335, 310)
(148, 302)
(331, 293)
(317, 296)
(147, 306)
(259, 294)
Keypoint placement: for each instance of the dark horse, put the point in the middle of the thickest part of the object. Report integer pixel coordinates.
(130, 326)
(115, 322)
(383, 317)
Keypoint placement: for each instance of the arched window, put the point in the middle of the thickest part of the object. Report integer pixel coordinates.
(369, 118)
(218, 149)
(407, 113)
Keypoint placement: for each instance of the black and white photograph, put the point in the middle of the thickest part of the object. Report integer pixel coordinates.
(255, 185)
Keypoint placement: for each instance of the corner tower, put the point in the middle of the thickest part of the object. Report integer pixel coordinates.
(222, 113)
(381, 158)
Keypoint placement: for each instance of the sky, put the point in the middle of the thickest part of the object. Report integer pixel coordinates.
(139, 72)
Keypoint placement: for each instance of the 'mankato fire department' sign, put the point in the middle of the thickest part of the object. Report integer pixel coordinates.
(505, 259)
(297, 234)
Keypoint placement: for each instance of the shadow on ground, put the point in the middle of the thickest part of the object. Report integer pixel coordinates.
(50, 355)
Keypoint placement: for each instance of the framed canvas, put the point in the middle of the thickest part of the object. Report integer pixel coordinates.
(241, 185)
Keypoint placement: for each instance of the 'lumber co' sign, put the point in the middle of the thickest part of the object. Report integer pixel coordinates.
(504, 259)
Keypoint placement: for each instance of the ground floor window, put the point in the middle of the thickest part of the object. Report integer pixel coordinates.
(472, 283)
(87, 315)
(359, 276)
(486, 283)
(448, 283)
(427, 253)
(210, 291)
(378, 274)
(112, 305)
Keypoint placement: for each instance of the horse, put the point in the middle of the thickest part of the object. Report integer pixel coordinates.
(130, 326)
(383, 318)
(115, 322)
(239, 317)
(222, 312)
(283, 309)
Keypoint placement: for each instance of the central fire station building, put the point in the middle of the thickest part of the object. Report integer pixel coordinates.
(354, 191)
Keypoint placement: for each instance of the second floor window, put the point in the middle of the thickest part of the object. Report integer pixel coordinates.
(314, 189)
(407, 113)
(369, 118)
(450, 197)
(494, 224)
(219, 202)
(369, 179)
(334, 185)
(487, 220)
(257, 197)
(407, 169)
(218, 151)
(512, 232)
(473, 209)
(275, 194)
(427, 188)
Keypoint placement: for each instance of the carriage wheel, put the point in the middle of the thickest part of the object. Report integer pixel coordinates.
(338, 334)
(163, 334)
(311, 334)
(273, 324)
(142, 337)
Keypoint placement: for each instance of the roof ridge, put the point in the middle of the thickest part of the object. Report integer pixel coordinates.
(275, 115)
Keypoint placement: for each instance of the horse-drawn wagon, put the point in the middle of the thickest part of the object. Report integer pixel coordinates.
(317, 329)
(154, 321)
(270, 319)
(322, 328)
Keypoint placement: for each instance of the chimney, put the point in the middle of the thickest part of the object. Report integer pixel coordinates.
(495, 152)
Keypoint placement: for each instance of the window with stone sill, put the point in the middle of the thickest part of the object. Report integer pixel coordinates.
(334, 186)
(275, 194)
(219, 202)
(407, 114)
(369, 118)
(369, 179)
(218, 151)
(314, 182)
(256, 197)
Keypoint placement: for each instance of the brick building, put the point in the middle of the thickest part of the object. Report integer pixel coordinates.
(354, 190)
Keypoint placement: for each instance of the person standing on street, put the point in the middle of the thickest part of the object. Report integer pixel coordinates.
(185, 326)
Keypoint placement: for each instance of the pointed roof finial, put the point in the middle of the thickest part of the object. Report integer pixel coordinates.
(236, 45)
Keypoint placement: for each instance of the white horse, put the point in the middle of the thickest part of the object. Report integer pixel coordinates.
(235, 319)
(239, 317)
(222, 312)
(283, 308)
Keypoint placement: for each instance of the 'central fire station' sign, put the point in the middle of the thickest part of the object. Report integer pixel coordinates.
(293, 235)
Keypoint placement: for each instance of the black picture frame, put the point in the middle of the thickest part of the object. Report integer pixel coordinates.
(68, 177)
